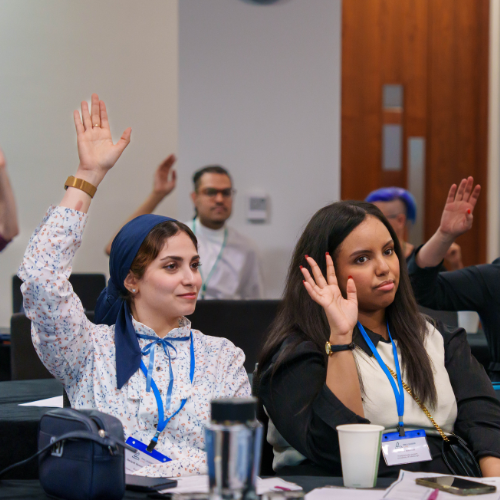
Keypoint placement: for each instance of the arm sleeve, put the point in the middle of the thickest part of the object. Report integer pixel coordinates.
(303, 409)
(60, 330)
(3, 242)
(232, 377)
(462, 290)
(478, 418)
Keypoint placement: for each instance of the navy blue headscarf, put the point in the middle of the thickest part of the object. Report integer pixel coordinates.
(111, 308)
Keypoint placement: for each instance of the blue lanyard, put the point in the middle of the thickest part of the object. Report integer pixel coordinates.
(399, 394)
(205, 282)
(150, 383)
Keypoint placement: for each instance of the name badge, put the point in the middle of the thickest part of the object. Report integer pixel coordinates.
(407, 449)
(141, 458)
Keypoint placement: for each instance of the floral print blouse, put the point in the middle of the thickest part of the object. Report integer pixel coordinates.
(82, 355)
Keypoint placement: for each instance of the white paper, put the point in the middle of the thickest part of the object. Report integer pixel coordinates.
(340, 493)
(199, 484)
(274, 484)
(405, 488)
(55, 402)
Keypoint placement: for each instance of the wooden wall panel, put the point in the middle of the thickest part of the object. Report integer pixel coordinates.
(383, 42)
(457, 109)
(438, 49)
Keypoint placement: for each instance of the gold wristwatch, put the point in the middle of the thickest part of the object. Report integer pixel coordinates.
(84, 186)
(331, 349)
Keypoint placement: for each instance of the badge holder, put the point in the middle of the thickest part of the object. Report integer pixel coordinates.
(407, 449)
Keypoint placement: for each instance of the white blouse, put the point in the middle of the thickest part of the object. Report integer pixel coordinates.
(82, 355)
(379, 401)
(238, 273)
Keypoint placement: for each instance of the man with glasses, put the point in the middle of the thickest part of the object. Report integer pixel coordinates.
(230, 265)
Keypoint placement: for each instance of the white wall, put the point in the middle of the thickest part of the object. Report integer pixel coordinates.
(259, 93)
(53, 54)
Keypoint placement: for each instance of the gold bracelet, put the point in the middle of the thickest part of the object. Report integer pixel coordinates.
(85, 186)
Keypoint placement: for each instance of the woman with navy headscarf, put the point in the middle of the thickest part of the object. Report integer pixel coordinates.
(141, 361)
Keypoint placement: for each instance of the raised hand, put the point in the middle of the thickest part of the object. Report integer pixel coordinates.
(96, 150)
(342, 314)
(165, 178)
(457, 214)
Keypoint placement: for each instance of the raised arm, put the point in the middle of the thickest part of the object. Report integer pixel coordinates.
(456, 220)
(8, 214)
(342, 314)
(164, 183)
(61, 333)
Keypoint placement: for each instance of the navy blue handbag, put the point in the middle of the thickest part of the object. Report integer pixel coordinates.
(81, 455)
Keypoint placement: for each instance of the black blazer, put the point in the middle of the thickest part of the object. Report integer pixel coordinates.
(306, 412)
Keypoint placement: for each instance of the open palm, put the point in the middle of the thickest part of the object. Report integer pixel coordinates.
(342, 314)
(165, 178)
(457, 214)
(96, 150)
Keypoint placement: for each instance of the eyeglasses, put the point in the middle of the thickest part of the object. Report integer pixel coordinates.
(393, 216)
(212, 192)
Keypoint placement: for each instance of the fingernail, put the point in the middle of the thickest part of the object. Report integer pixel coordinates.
(326, 253)
(301, 267)
(468, 211)
(349, 277)
(307, 256)
(303, 281)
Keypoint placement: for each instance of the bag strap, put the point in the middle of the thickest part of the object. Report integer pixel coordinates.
(422, 407)
(105, 440)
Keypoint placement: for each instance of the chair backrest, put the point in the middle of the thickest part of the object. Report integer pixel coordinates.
(449, 318)
(87, 286)
(244, 322)
(24, 361)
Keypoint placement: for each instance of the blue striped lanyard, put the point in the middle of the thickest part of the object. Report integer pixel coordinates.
(205, 282)
(150, 383)
(399, 394)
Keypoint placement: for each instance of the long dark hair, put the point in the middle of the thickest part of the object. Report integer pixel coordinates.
(301, 316)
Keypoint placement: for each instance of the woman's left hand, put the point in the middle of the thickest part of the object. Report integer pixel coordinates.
(457, 214)
(96, 150)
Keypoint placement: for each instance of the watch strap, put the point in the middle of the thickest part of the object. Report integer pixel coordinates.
(330, 349)
(84, 186)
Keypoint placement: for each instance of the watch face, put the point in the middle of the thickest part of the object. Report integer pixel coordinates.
(328, 348)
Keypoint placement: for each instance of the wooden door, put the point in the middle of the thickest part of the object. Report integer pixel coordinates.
(437, 51)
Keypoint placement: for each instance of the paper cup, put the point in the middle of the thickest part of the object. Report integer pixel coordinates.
(360, 454)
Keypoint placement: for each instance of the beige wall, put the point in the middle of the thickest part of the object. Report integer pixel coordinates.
(259, 92)
(53, 54)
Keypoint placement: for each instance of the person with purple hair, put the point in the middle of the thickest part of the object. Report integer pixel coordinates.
(399, 207)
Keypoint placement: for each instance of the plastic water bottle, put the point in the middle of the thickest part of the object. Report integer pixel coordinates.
(233, 444)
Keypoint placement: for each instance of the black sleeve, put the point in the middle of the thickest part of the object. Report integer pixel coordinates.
(462, 290)
(303, 409)
(478, 418)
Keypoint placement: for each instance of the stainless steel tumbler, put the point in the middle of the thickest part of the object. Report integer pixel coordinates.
(233, 444)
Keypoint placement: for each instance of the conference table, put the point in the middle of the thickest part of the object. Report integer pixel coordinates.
(19, 424)
(18, 441)
(17, 489)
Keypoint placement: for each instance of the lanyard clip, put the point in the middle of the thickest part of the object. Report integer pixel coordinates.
(401, 428)
(153, 443)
